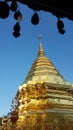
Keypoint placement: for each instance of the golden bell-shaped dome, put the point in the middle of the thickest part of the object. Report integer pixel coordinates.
(43, 69)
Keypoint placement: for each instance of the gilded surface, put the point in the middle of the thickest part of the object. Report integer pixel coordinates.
(45, 100)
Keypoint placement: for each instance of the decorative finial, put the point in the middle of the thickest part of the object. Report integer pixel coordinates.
(40, 37)
(41, 51)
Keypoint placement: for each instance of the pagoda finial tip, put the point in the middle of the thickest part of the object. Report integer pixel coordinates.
(40, 37)
(41, 51)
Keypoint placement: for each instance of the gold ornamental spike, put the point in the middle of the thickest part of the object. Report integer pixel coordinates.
(41, 50)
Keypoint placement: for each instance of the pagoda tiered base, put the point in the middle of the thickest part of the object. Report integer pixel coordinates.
(48, 121)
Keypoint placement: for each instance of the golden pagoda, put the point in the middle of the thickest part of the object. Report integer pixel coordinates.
(44, 101)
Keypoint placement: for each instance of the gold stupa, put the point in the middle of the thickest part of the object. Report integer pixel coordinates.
(44, 99)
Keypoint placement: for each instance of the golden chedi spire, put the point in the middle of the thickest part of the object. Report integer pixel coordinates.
(43, 69)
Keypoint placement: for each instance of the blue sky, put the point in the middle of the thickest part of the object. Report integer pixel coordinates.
(17, 55)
